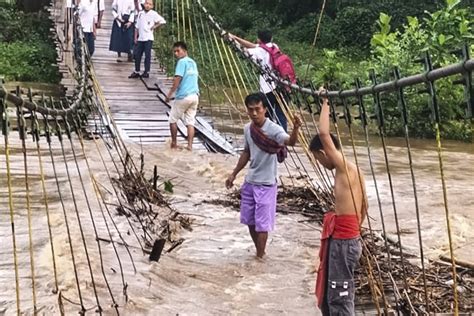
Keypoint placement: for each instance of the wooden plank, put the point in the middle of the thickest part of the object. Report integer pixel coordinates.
(162, 133)
(138, 113)
(206, 129)
(131, 130)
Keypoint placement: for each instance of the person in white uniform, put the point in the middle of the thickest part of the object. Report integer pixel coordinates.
(121, 40)
(87, 15)
(148, 21)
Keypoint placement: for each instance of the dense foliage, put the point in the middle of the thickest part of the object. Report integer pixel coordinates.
(440, 33)
(346, 23)
(357, 35)
(27, 52)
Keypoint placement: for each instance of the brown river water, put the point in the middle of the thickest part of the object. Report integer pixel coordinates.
(214, 271)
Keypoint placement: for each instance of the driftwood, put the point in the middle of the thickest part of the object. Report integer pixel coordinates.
(462, 263)
(157, 249)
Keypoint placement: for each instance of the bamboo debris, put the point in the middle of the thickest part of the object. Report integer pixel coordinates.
(150, 209)
(409, 301)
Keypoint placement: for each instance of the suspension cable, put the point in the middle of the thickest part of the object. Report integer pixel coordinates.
(5, 131)
(22, 134)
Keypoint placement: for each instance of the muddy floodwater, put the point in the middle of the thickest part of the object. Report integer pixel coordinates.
(214, 271)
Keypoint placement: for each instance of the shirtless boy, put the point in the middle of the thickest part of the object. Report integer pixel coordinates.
(340, 240)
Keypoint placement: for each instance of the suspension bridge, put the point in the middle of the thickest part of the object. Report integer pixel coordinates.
(75, 193)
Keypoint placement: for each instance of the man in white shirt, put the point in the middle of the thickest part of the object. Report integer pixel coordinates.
(267, 86)
(147, 21)
(87, 15)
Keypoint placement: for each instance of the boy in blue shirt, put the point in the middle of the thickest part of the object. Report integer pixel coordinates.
(185, 83)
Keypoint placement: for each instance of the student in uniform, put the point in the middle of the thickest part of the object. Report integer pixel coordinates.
(147, 21)
(87, 16)
(256, 50)
(121, 40)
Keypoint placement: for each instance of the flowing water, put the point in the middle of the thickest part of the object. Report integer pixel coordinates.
(214, 271)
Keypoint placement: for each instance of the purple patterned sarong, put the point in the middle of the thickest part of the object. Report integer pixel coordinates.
(258, 206)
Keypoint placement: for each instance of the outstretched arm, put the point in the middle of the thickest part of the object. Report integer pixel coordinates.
(243, 159)
(242, 41)
(330, 149)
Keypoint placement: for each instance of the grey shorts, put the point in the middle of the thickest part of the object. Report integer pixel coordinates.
(343, 258)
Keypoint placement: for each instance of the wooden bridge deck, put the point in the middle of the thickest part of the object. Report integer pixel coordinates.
(137, 111)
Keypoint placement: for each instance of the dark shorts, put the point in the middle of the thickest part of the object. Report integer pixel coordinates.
(258, 206)
(343, 258)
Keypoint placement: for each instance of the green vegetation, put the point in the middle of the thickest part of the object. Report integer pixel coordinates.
(439, 33)
(27, 51)
(358, 35)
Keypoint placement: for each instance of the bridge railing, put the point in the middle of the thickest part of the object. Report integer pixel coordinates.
(55, 151)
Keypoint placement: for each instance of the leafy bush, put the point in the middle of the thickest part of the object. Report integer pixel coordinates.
(21, 61)
(439, 33)
(27, 52)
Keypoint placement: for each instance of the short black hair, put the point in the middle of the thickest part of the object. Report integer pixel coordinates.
(180, 44)
(256, 98)
(265, 36)
(317, 145)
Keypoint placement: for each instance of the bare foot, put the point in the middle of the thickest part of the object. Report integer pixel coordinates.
(261, 259)
(189, 148)
(174, 146)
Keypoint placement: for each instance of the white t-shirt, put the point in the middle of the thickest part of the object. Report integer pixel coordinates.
(123, 7)
(261, 54)
(145, 21)
(88, 15)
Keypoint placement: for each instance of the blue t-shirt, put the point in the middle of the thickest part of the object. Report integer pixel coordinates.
(186, 68)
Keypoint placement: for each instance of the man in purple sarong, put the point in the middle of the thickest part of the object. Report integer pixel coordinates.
(265, 145)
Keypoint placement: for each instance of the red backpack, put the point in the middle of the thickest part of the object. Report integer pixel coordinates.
(281, 63)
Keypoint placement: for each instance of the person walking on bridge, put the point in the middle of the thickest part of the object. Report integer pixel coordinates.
(340, 239)
(265, 145)
(267, 86)
(88, 16)
(185, 84)
(121, 39)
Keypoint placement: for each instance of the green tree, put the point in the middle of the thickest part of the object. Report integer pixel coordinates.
(439, 33)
